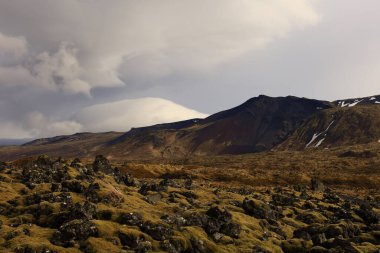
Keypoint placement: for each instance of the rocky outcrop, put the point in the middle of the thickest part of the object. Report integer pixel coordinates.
(102, 213)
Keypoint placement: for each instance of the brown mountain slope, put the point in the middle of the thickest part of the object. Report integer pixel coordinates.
(257, 125)
(76, 145)
(337, 127)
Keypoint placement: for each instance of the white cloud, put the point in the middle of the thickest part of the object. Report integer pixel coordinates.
(38, 125)
(125, 114)
(114, 116)
(11, 130)
(145, 40)
(12, 47)
(73, 46)
(63, 127)
(16, 76)
(59, 71)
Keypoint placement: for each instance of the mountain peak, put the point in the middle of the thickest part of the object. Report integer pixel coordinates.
(259, 124)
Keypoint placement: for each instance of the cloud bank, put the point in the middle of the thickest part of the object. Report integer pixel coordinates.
(115, 116)
(125, 114)
(69, 48)
(55, 54)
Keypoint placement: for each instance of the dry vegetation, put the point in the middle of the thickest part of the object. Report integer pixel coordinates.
(352, 168)
(246, 203)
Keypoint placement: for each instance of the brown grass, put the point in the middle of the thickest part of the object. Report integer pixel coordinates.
(275, 168)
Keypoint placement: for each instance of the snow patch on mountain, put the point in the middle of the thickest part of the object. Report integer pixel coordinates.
(319, 143)
(355, 103)
(316, 135)
(328, 127)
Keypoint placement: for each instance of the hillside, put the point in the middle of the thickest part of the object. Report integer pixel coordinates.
(68, 206)
(260, 124)
(257, 125)
(312, 200)
(76, 145)
(372, 100)
(337, 127)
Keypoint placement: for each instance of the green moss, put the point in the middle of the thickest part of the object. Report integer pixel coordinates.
(296, 246)
(99, 245)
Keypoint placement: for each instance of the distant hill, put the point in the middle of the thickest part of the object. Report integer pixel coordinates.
(10, 142)
(77, 145)
(260, 124)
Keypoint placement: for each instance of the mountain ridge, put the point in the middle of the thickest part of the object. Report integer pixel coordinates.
(260, 124)
(337, 127)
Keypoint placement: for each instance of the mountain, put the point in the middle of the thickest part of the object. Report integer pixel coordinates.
(372, 100)
(257, 125)
(9, 142)
(260, 124)
(335, 127)
(76, 145)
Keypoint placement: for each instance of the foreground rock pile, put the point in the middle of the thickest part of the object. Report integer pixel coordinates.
(66, 206)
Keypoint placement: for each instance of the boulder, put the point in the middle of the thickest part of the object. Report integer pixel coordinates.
(340, 245)
(92, 194)
(144, 247)
(196, 219)
(3, 166)
(310, 217)
(221, 215)
(259, 209)
(43, 170)
(317, 185)
(56, 187)
(231, 229)
(131, 219)
(176, 220)
(73, 186)
(75, 230)
(331, 198)
(283, 200)
(159, 232)
(102, 164)
(135, 242)
(125, 178)
(198, 246)
(83, 211)
(367, 214)
(146, 187)
(173, 245)
(76, 163)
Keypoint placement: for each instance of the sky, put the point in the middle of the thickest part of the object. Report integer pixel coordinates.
(97, 65)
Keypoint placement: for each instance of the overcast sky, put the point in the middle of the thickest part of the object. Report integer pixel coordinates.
(99, 65)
